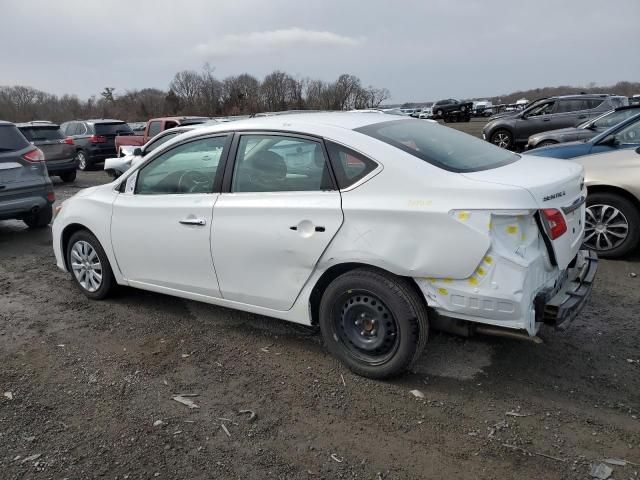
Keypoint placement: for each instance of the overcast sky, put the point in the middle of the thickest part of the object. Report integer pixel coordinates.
(418, 49)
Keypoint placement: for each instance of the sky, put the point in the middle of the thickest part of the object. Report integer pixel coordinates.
(421, 50)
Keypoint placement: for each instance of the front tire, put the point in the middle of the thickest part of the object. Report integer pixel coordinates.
(373, 322)
(89, 265)
(502, 138)
(40, 219)
(612, 225)
(68, 177)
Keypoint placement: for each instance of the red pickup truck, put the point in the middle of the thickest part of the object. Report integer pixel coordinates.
(154, 127)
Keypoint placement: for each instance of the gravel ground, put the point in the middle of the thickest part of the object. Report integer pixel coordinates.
(88, 389)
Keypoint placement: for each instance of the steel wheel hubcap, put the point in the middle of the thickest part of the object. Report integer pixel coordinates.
(605, 227)
(366, 327)
(86, 266)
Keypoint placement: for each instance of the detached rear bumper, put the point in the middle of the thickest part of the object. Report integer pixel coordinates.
(560, 306)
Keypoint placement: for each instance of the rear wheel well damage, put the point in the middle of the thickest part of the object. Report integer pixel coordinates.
(66, 235)
(335, 271)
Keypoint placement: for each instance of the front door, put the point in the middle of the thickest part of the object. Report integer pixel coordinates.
(161, 223)
(273, 225)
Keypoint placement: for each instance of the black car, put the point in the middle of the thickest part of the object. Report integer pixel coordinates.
(512, 130)
(26, 192)
(94, 139)
(441, 107)
(59, 151)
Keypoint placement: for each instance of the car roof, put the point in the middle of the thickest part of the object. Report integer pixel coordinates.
(43, 124)
(4, 122)
(101, 120)
(628, 107)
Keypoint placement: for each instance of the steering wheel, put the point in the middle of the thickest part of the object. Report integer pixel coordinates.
(193, 182)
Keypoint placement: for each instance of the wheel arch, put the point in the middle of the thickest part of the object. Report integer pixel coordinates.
(335, 271)
(68, 231)
(616, 191)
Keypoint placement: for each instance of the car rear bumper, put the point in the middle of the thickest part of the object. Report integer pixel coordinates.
(62, 166)
(20, 205)
(560, 306)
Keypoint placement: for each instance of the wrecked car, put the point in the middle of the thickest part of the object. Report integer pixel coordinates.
(374, 228)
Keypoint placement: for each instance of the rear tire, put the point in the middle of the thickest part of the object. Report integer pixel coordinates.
(601, 214)
(68, 176)
(439, 113)
(89, 265)
(373, 322)
(83, 161)
(40, 219)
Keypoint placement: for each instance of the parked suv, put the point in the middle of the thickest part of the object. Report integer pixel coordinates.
(59, 151)
(26, 192)
(513, 131)
(94, 139)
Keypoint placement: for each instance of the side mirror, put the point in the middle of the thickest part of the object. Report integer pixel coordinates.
(592, 126)
(610, 141)
(638, 150)
(137, 152)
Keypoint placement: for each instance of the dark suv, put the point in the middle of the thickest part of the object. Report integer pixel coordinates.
(26, 192)
(94, 139)
(59, 151)
(513, 130)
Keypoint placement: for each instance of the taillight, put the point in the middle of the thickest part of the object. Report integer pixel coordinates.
(98, 139)
(554, 222)
(34, 156)
(51, 196)
(68, 141)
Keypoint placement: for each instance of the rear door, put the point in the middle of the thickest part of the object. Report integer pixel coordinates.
(278, 212)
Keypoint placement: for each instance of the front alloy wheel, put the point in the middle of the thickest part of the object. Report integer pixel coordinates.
(501, 138)
(89, 264)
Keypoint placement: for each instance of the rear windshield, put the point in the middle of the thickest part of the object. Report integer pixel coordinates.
(39, 134)
(441, 146)
(11, 139)
(113, 129)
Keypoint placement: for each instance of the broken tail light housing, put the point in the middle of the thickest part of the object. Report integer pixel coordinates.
(554, 222)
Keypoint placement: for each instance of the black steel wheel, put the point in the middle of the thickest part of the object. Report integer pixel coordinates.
(374, 322)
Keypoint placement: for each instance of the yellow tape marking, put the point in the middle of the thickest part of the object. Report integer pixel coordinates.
(512, 229)
(443, 291)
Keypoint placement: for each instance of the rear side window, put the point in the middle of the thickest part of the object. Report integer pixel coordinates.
(112, 128)
(593, 103)
(441, 146)
(348, 165)
(572, 105)
(41, 134)
(619, 101)
(11, 139)
(154, 129)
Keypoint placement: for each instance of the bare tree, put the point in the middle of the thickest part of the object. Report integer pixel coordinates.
(187, 86)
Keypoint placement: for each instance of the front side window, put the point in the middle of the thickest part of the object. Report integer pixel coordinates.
(188, 168)
(154, 129)
(274, 163)
(441, 146)
(542, 109)
(629, 135)
(153, 144)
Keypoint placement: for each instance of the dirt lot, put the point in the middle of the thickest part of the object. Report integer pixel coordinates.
(91, 385)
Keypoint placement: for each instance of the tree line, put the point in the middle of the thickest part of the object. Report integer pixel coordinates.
(195, 93)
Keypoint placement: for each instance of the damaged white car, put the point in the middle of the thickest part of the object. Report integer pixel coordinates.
(374, 228)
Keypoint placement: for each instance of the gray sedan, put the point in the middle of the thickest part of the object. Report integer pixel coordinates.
(584, 131)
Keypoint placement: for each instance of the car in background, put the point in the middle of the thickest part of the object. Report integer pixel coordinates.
(59, 151)
(363, 224)
(584, 131)
(114, 167)
(612, 222)
(426, 112)
(152, 128)
(442, 107)
(512, 131)
(482, 108)
(26, 192)
(94, 139)
(137, 127)
(625, 134)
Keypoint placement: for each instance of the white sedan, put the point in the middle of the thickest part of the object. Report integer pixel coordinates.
(370, 226)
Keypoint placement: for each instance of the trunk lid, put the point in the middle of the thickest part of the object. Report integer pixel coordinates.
(553, 184)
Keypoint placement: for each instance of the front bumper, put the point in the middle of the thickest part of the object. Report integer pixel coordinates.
(560, 306)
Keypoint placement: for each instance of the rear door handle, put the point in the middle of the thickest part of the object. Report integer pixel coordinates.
(193, 221)
(317, 229)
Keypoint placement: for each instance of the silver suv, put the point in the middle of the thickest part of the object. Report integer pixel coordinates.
(512, 130)
(26, 192)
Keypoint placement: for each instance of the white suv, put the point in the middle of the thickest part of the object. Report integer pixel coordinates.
(370, 226)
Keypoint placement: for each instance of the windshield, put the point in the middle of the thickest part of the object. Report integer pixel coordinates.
(40, 134)
(441, 146)
(113, 129)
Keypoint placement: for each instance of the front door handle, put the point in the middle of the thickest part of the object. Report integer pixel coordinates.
(193, 221)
